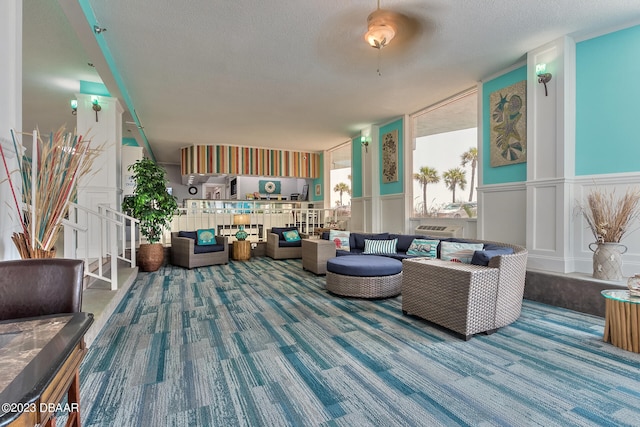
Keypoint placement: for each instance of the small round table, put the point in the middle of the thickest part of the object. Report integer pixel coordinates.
(622, 320)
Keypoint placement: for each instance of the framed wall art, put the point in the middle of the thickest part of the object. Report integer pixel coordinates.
(390, 157)
(508, 131)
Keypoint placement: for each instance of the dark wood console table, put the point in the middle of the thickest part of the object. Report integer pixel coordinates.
(40, 357)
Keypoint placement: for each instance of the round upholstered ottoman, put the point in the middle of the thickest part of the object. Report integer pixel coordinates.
(364, 276)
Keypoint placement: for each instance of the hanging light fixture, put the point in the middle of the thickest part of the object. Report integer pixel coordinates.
(380, 28)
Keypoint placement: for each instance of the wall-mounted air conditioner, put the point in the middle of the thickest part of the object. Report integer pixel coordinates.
(437, 230)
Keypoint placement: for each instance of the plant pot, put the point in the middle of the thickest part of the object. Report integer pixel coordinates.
(150, 256)
(607, 260)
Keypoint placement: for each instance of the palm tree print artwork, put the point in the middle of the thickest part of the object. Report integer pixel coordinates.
(508, 132)
(390, 157)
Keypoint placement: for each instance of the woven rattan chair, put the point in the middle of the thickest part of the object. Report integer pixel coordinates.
(183, 252)
(466, 298)
(276, 251)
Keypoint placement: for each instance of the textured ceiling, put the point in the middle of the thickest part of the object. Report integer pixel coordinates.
(282, 74)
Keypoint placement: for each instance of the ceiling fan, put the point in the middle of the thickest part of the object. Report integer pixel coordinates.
(397, 29)
(383, 25)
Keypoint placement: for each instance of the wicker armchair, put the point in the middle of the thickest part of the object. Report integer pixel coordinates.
(466, 298)
(277, 249)
(183, 252)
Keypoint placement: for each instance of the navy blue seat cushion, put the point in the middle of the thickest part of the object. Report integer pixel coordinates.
(205, 249)
(285, 244)
(190, 234)
(356, 240)
(364, 265)
(280, 230)
(482, 257)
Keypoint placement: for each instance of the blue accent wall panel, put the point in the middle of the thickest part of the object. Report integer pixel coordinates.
(356, 167)
(501, 174)
(607, 110)
(393, 187)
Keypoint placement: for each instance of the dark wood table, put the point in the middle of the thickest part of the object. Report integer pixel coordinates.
(40, 357)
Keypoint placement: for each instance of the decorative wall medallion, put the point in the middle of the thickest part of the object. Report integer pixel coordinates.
(193, 190)
(269, 187)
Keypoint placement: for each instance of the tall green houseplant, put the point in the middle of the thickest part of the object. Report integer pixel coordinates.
(153, 206)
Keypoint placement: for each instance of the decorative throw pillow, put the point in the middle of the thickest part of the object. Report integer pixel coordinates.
(459, 252)
(424, 247)
(380, 246)
(207, 236)
(483, 257)
(340, 238)
(291, 235)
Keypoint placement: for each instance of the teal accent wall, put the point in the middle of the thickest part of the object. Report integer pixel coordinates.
(130, 142)
(500, 174)
(319, 180)
(398, 186)
(607, 111)
(93, 88)
(356, 168)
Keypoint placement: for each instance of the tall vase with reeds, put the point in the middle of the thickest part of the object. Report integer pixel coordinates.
(609, 219)
(48, 180)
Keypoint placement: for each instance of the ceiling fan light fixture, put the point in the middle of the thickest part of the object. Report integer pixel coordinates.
(380, 29)
(379, 36)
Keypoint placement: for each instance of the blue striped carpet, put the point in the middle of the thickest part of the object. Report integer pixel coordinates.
(261, 343)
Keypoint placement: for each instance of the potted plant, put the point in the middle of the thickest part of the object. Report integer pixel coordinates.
(609, 218)
(154, 207)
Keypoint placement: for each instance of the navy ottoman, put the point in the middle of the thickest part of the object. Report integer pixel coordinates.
(364, 276)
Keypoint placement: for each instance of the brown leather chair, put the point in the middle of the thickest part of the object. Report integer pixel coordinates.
(37, 287)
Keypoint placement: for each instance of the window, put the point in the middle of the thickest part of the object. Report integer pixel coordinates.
(445, 158)
(340, 177)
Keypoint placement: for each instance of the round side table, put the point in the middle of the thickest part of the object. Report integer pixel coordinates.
(241, 250)
(622, 320)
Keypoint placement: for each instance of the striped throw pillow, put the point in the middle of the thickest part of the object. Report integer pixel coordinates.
(380, 246)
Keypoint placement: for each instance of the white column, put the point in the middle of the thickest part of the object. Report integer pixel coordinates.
(10, 118)
(103, 185)
(550, 157)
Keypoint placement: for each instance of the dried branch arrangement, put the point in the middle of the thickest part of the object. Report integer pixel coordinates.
(608, 216)
(60, 160)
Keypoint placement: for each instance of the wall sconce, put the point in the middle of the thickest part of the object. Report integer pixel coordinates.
(364, 141)
(543, 76)
(74, 106)
(96, 106)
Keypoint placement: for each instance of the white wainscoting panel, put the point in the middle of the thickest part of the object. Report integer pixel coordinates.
(357, 214)
(502, 213)
(392, 213)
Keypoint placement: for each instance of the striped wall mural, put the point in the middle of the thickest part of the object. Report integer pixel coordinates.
(227, 159)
